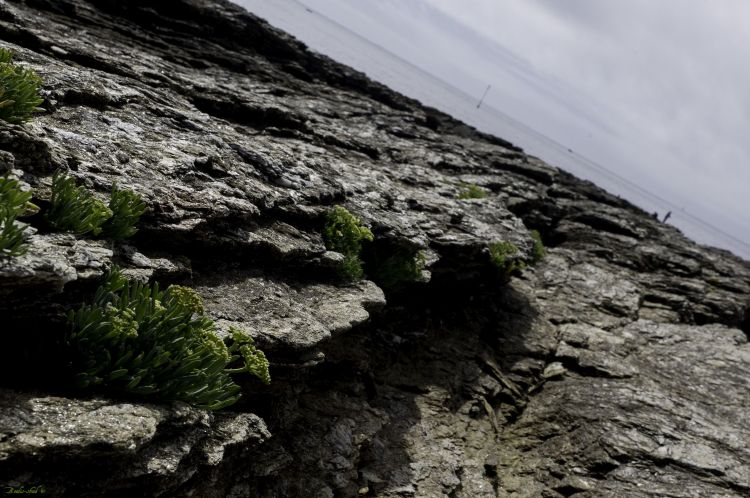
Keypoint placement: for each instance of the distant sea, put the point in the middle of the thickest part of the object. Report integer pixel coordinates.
(341, 44)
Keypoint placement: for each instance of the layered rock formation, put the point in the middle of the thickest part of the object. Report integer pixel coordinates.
(617, 366)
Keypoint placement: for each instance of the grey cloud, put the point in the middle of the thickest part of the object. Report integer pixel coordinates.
(656, 91)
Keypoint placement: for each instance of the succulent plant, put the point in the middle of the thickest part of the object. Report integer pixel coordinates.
(252, 359)
(138, 339)
(127, 208)
(13, 203)
(19, 90)
(75, 209)
(344, 233)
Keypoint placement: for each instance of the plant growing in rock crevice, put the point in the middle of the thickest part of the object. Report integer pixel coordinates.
(76, 210)
(127, 208)
(344, 233)
(13, 203)
(138, 339)
(19, 90)
(501, 255)
(250, 358)
(538, 252)
(471, 191)
(389, 265)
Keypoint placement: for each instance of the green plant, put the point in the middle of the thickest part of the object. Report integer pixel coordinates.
(343, 233)
(19, 90)
(471, 191)
(389, 266)
(127, 208)
(75, 209)
(538, 251)
(253, 359)
(13, 203)
(138, 339)
(501, 256)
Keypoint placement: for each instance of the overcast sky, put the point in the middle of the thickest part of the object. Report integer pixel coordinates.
(657, 91)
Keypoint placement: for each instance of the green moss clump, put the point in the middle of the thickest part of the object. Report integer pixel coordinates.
(19, 90)
(137, 339)
(127, 208)
(471, 191)
(500, 255)
(75, 209)
(538, 251)
(343, 233)
(14, 202)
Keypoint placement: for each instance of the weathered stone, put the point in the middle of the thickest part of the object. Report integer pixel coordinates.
(617, 366)
(75, 437)
(286, 316)
(51, 262)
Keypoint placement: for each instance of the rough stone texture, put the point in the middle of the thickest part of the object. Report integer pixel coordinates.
(81, 442)
(618, 366)
(53, 261)
(281, 314)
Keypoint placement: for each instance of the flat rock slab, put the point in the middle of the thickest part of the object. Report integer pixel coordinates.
(51, 262)
(284, 316)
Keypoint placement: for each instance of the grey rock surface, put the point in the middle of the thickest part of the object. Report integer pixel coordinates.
(618, 366)
(97, 446)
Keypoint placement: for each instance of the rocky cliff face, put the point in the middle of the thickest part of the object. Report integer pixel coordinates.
(617, 366)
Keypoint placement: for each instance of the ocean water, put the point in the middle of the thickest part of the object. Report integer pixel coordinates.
(325, 36)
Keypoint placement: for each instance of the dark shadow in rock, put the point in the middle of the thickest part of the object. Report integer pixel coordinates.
(33, 328)
(745, 325)
(431, 368)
